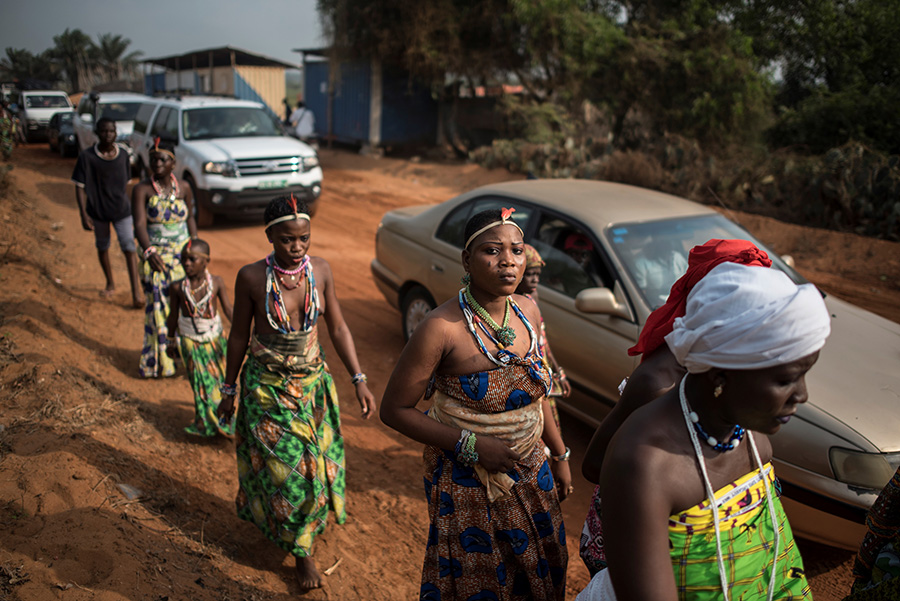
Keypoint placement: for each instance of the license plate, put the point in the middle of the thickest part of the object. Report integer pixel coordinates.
(273, 184)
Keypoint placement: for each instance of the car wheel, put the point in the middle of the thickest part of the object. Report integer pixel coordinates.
(416, 306)
(203, 217)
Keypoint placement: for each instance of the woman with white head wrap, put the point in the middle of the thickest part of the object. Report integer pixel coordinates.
(747, 339)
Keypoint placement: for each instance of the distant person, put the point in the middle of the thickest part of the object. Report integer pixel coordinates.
(195, 327)
(304, 122)
(528, 288)
(290, 448)
(101, 177)
(579, 248)
(287, 112)
(691, 507)
(877, 566)
(163, 221)
(7, 131)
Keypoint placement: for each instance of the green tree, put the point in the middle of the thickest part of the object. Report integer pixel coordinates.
(20, 65)
(112, 60)
(75, 52)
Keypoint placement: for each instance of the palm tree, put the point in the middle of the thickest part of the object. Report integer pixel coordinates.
(112, 59)
(21, 65)
(75, 51)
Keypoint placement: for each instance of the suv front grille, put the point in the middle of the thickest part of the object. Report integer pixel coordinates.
(269, 166)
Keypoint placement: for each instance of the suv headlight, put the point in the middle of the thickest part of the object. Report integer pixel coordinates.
(226, 168)
(867, 470)
(310, 162)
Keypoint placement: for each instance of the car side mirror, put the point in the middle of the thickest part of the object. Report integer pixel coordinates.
(788, 260)
(87, 117)
(601, 301)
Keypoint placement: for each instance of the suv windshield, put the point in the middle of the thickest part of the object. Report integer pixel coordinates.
(119, 111)
(45, 102)
(228, 122)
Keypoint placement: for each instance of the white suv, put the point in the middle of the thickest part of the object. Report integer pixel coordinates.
(121, 107)
(233, 153)
(37, 106)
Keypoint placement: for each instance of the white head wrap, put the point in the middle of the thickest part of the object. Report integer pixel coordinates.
(742, 317)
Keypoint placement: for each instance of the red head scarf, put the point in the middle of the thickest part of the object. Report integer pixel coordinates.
(701, 260)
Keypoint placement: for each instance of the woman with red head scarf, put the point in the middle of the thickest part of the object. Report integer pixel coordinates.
(657, 373)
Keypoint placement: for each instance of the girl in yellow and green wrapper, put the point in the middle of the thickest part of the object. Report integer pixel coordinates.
(290, 447)
(195, 323)
(163, 211)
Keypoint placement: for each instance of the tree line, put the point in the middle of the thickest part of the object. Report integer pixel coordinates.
(811, 74)
(75, 61)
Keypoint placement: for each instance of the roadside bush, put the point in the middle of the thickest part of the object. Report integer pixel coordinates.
(850, 188)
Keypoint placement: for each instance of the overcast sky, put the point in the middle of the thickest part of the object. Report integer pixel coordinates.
(166, 27)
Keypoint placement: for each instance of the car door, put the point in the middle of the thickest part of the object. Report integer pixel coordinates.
(445, 264)
(592, 348)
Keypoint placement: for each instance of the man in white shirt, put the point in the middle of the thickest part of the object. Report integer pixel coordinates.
(304, 122)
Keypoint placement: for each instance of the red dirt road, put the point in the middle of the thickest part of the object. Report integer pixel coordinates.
(102, 495)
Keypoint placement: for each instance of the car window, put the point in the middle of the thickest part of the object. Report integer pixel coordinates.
(655, 254)
(570, 252)
(228, 122)
(452, 229)
(159, 124)
(142, 118)
(45, 101)
(119, 111)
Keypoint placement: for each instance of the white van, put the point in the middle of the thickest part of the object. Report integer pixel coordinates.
(121, 107)
(233, 153)
(35, 109)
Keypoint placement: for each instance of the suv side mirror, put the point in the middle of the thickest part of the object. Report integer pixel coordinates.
(602, 301)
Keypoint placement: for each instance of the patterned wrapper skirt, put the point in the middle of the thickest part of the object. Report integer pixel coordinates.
(205, 365)
(290, 451)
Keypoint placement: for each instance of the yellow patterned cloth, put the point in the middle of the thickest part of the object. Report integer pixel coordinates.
(747, 536)
(168, 231)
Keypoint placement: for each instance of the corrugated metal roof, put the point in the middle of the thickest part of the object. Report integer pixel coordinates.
(221, 57)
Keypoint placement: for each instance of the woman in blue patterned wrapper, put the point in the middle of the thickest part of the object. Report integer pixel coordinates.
(496, 529)
(163, 211)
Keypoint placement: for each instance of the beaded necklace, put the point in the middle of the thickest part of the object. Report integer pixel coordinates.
(310, 301)
(736, 435)
(199, 308)
(503, 356)
(723, 579)
(505, 334)
(173, 188)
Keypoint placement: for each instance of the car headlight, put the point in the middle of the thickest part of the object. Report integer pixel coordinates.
(226, 168)
(868, 470)
(310, 163)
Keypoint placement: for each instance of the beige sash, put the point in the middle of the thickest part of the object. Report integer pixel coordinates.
(520, 428)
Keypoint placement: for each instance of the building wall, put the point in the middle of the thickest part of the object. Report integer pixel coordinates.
(268, 84)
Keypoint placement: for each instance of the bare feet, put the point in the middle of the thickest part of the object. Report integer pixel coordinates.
(308, 576)
(107, 292)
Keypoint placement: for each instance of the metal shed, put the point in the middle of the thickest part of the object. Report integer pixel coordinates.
(362, 102)
(226, 71)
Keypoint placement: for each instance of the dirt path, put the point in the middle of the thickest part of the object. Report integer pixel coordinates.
(102, 495)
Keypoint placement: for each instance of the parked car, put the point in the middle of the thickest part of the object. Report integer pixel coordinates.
(35, 109)
(833, 457)
(61, 133)
(121, 107)
(233, 153)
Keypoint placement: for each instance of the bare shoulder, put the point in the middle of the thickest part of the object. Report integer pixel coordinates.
(321, 267)
(528, 307)
(218, 281)
(252, 273)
